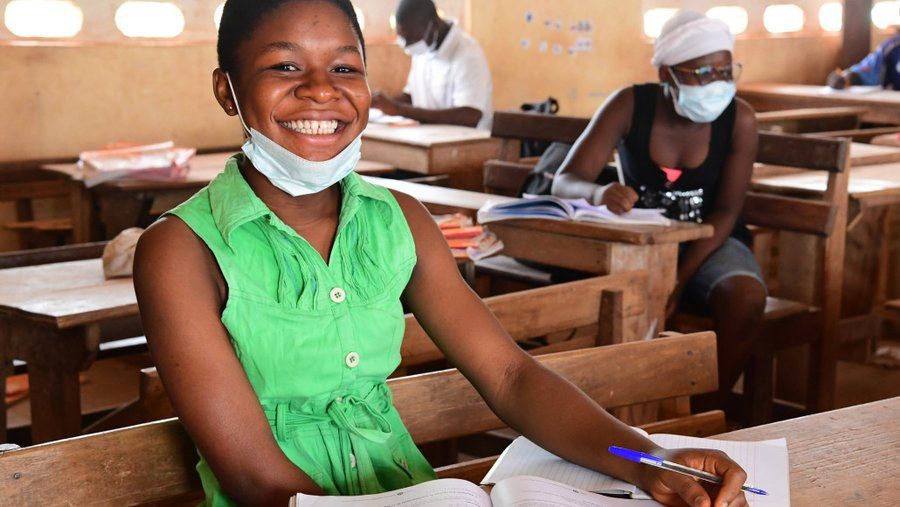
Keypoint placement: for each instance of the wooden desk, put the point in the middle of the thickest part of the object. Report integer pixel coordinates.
(457, 151)
(843, 457)
(607, 249)
(868, 262)
(50, 317)
(120, 203)
(884, 105)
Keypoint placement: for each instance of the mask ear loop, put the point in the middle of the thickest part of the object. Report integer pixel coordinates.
(236, 105)
(673, 89)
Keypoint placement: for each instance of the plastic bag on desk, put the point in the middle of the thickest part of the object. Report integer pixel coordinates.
(163, 161)
(118, 255)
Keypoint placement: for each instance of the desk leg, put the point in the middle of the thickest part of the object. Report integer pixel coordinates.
(5, 371)
(55, 403)
(82, 212)
(54, 357)
(661, 263)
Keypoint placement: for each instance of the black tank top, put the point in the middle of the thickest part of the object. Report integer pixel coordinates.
(691, 195)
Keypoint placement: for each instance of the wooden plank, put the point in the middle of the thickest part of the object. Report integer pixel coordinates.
(130, 466)
(809, 113)
(13, 191)
(862, 154)
(505, 178)
(864, 436)
(537, 312)
(787, 213)
(51, 255)
(802, 152)
(684, 360)
(538, 126)
(883, 106)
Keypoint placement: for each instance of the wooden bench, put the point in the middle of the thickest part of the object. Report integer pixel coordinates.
(820, 119)
(599, 307)
(154, 463)
(892, 311)
(798, 319)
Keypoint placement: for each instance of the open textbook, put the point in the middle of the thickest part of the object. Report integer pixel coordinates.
(526, 475)
(555, 208)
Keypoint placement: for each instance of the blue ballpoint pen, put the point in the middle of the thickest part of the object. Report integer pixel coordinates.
(649, 459)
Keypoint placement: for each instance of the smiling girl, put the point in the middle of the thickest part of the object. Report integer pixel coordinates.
(272, 298)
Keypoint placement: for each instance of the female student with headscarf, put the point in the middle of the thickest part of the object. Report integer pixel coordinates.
(687, 145)
(272, 298)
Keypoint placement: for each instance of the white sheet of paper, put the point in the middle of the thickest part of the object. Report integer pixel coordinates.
(766, 464)
(523, 457)
(529, 491)
(438, 493)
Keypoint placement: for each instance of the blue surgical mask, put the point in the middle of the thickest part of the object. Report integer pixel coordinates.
(420, 47)
(701, 104)
(289, 172)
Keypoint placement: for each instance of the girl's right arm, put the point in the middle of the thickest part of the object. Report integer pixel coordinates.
(576, 177)
(181, 294)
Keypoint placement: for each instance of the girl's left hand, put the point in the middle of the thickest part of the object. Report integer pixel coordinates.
(672, 488)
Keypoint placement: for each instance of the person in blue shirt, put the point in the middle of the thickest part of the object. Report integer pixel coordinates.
(880, 68)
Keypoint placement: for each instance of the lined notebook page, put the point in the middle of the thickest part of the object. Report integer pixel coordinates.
(765, 462)
(523, 457)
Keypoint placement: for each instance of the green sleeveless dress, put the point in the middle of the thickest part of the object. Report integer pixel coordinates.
(317, 341)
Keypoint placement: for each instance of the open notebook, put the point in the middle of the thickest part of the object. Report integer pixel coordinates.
(554, 208)
(525, 474)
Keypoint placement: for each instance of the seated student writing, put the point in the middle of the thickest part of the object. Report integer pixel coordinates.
(879, 68)
(272, 298)
(449, 81)
(688, 145)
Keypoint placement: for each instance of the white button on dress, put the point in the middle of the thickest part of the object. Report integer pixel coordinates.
(352, 360)
(338, 295)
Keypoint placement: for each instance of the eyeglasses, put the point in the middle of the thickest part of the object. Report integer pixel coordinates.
(708, 73)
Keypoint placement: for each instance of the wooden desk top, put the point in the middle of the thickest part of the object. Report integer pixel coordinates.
(843, 457)
(65, 294)
(868, 183)
(204, 168)
(441, 196)
(425, 136)
(677, 232)
(862, 154)
(825, 94)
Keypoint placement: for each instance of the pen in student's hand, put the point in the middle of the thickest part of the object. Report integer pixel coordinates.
(649, 459)
(619, 173)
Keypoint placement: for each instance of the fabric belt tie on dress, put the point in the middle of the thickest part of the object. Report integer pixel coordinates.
(340, 412)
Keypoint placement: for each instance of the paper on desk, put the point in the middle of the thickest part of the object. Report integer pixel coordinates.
(851, 90)
(766, 464)
(378, 116)
(527, 491)
(438, 493)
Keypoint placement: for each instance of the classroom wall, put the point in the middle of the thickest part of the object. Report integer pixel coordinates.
(527, 70)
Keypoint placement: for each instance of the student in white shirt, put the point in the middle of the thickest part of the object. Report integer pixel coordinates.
(449, 81)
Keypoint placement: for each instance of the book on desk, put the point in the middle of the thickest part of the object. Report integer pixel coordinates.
(555, 208)
(528, 474)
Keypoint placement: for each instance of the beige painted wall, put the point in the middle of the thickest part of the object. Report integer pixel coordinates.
(621, 54)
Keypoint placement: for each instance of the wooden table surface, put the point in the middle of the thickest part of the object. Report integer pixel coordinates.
(459, 152)
(874, 185)
(65, 294)
(441, 199)
(862, 154)
(884, 105)
(843, 457)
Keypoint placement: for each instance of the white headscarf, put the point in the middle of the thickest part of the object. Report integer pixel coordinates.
(688, 35)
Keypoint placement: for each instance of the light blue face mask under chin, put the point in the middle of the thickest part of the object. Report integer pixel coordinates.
(290, 172)
(701, 104)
